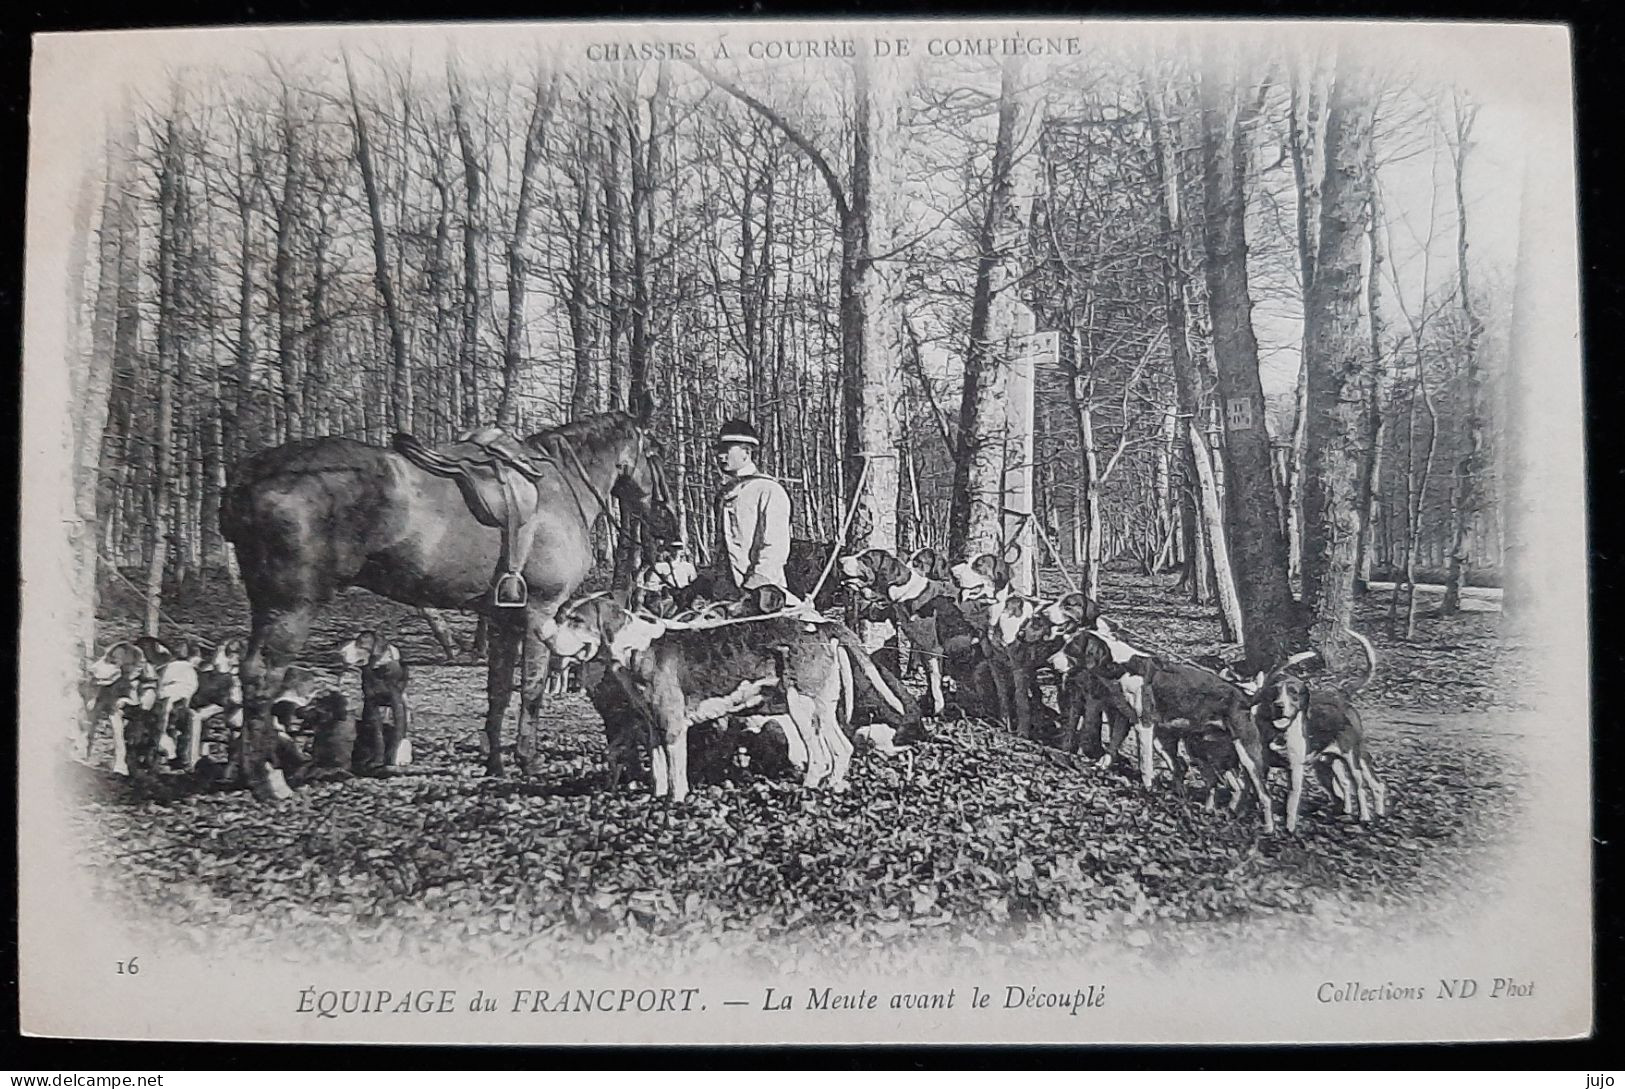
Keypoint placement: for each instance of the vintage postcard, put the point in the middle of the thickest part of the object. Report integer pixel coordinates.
(805, 532)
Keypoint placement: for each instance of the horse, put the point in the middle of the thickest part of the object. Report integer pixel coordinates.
(315, 516)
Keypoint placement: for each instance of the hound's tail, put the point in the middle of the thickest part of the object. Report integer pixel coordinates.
(1370, 660)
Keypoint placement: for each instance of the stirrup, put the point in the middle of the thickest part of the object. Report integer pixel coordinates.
(511, 591)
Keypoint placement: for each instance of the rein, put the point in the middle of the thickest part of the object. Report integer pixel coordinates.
(657, 492)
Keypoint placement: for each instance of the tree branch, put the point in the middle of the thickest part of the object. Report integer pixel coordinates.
(790, 131)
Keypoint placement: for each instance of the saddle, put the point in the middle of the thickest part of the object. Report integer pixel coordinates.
(498, 476)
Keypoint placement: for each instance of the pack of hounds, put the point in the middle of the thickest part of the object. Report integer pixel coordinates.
(159, 697)
(693, 686)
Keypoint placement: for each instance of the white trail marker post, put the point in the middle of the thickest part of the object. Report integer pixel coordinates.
(1028, 349)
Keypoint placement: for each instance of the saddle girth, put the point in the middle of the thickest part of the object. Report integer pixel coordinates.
(497, 477)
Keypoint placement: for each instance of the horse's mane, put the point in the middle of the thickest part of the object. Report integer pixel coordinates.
(591, 433)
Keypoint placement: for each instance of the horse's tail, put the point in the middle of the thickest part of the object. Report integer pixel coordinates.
(235, 507)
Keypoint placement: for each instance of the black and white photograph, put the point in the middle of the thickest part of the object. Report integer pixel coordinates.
(936, 531)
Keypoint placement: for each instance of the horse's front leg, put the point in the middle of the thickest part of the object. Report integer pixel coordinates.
(503, 653)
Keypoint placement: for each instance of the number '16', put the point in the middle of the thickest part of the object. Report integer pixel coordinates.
(129, 967)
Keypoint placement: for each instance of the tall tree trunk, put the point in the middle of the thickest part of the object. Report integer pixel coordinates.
(1271, 624)
(643, 159)
(1469, 474)
(116, 324)
(1303, 147)
(1079, 394)
(616, 246)
(243, 432)
(518, 259)
(1188, 383)
(289, 212)
(1340, 375)
(468, 348)
(1372, 486)
(92, 373)
(400, 400)
(163, 454)
(1417, 486)
(876, 221)
(976, 518)
(581, 278)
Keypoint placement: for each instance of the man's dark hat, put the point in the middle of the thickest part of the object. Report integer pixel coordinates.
(738, 431)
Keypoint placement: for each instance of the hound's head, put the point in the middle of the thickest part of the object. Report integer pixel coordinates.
(326, 712)
(986, 577)
(1072, 612)
(1083, 650)
(671, 569)
(1121, 651)
(1280, 694)
(157, 652)
(932, 564)
(368, 650)
(227, 657)
(121, 661)
(599, 624)
(876, 571)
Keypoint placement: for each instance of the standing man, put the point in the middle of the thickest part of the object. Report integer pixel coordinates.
(753, 515)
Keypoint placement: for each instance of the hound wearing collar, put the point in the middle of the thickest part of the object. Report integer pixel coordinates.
(1089, 690)
(679, 678)
(1173, 701)
(383, 688)
(1320, 730)
(922, 607)
(985, 582)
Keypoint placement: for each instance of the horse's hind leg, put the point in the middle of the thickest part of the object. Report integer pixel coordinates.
(278, 635)
(503, 653)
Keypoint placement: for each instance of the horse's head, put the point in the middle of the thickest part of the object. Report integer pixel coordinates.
(641, 480)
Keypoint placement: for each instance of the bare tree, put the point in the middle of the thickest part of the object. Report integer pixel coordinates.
(1271, 623)
(1340, 372)
(977, 518)
(400, 400)
(1465, 501)
(1187, 383)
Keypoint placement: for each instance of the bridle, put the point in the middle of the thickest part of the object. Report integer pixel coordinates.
(659, 493)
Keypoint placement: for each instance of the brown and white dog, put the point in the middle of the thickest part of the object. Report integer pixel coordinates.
(985, 583)
(1090, 690)
(219, 692)
(175, 668)
(682, 677)
(923, 608)
(1320, 730)
(111, 687)
(383, 688)
(932, 564)
(669, 583)
(1172, 701)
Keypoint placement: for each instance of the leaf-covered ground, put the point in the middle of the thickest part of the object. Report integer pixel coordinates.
(988, 844)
